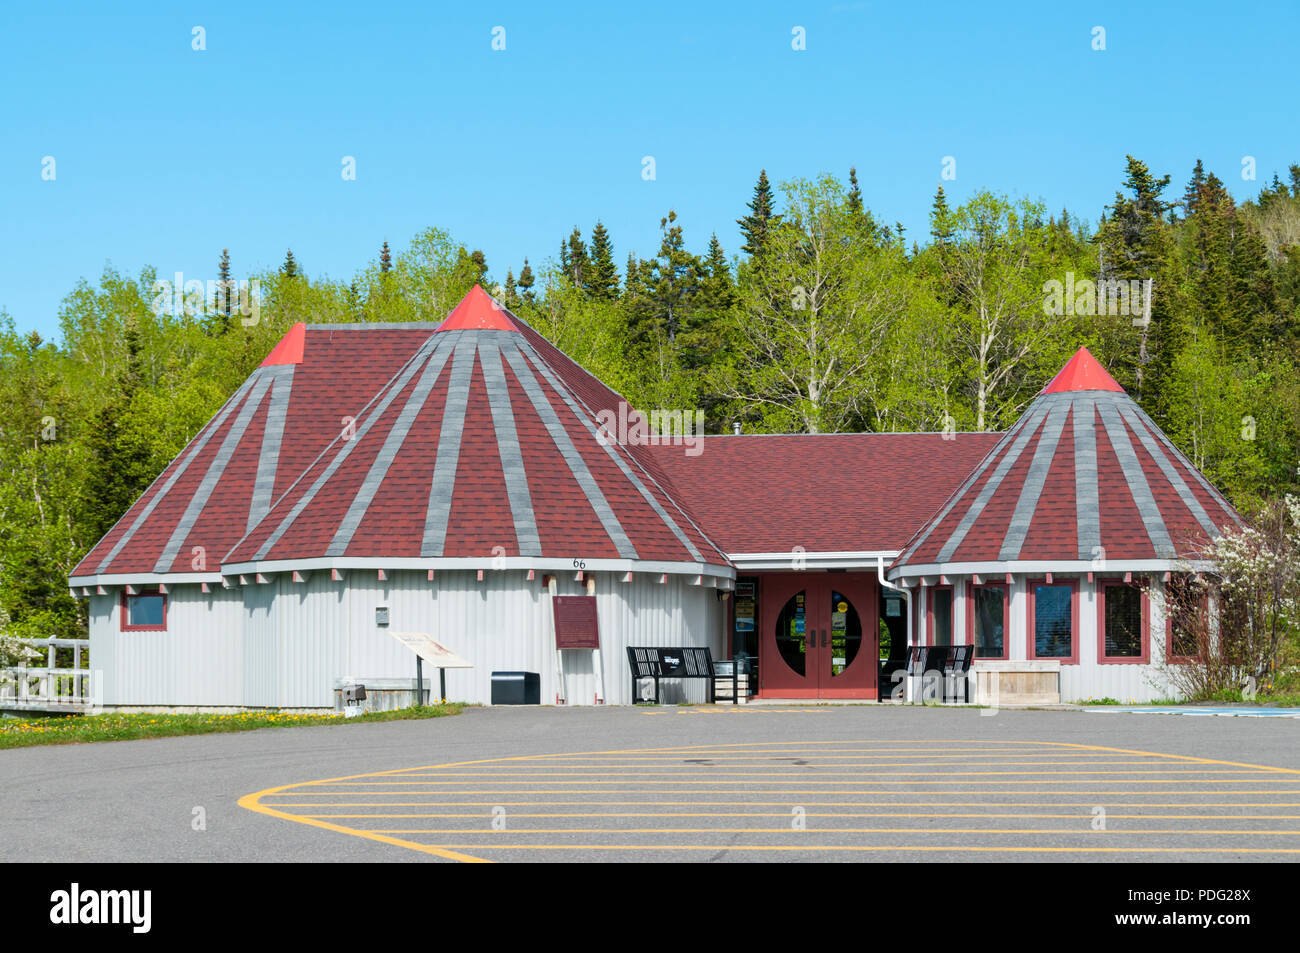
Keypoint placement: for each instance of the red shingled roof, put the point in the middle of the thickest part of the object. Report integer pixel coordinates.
(824, 492)
(279, 420)
(1084, 475)
(485, 445)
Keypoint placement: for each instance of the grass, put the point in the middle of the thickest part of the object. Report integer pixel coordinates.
(79, 729)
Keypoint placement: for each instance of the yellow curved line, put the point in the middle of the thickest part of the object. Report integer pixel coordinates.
(252, 802)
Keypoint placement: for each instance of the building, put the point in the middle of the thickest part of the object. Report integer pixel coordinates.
(454, 479)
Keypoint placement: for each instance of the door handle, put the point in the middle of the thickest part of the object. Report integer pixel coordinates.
(823, 638)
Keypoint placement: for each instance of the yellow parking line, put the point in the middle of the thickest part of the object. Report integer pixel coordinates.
(813, 773)
(1084, 832)
(1086, 815)
(883, 848)
(793, 793)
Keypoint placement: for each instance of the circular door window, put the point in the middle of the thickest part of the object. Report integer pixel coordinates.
(846, 633)
(791, 633)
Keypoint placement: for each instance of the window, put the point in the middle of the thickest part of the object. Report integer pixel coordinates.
(941, 615)
(144, 612)
(1123, 622)
(988, 620)
(1054, 620)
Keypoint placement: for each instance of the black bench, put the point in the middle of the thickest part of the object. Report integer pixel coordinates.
(657, 663)
(950, 661)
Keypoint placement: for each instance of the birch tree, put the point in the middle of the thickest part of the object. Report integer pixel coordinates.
(814, 310)
(991, 265)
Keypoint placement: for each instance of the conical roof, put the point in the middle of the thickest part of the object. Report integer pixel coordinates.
(1084, 475)
(225, 480)
(486, 444)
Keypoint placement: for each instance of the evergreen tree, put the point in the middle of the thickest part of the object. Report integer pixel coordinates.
(855, 193)
(385, 260)
(119, 467)
(226, 290)
(290, 267)
(761, 219)
(512, 290)
(670, 285)
(602, 276)
(717, 291)
(574, 259)
(940, 218)
(1134, 246)
(1193, 191)
(526, 281)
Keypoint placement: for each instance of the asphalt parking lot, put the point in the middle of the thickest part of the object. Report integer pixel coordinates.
(684, 784)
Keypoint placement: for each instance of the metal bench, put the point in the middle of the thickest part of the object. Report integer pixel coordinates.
(657, 663)
(948, 661)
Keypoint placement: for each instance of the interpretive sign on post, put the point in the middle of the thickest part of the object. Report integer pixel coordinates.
(442, 658)
(576, 627)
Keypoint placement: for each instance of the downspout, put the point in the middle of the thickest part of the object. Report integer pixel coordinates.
(907, 594)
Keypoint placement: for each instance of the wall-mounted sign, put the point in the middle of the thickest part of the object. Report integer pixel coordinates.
(575, 622)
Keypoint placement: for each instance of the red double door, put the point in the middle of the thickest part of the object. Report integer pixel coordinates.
(819, 635)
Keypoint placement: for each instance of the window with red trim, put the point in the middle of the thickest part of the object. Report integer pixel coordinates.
(1054, 619)
(940, 616)
(988, 619)
(1123, 622)
(145, 611)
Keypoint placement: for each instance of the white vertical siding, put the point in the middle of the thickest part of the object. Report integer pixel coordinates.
(327, 630)
(197, 661)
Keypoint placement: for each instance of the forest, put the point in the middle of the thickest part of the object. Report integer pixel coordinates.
(826, 319)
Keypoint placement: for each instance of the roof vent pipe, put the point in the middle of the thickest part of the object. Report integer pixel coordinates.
(735, 428)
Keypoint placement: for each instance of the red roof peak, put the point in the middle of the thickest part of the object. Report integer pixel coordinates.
(478, 311)
(1082, 372)
(289, 350)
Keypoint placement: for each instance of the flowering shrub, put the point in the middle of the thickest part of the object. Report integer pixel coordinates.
(1236, 629)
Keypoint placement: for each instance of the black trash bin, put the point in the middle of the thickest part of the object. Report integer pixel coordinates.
(516, 688)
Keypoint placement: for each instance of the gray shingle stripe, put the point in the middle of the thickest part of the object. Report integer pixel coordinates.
(581, 407)
(347, 527)
(1032, 418)
(583, 414)
(445, 463)
(933, 523)
(216, 468)
(376, 411)
(1171, 473)
(1199, 477)
(268, 458)
(1087, 506)
(1032, 488)
(577, 466)
(195, 448)
(1138, 487)
(512, 458)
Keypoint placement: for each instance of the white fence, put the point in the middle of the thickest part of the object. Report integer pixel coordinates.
(51, 687)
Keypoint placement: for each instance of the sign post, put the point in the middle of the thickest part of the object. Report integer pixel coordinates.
(441, 657)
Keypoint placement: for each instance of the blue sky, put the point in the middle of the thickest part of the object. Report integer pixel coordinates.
(164, 155)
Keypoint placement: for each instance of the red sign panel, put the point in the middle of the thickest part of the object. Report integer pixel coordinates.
(575, 622)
